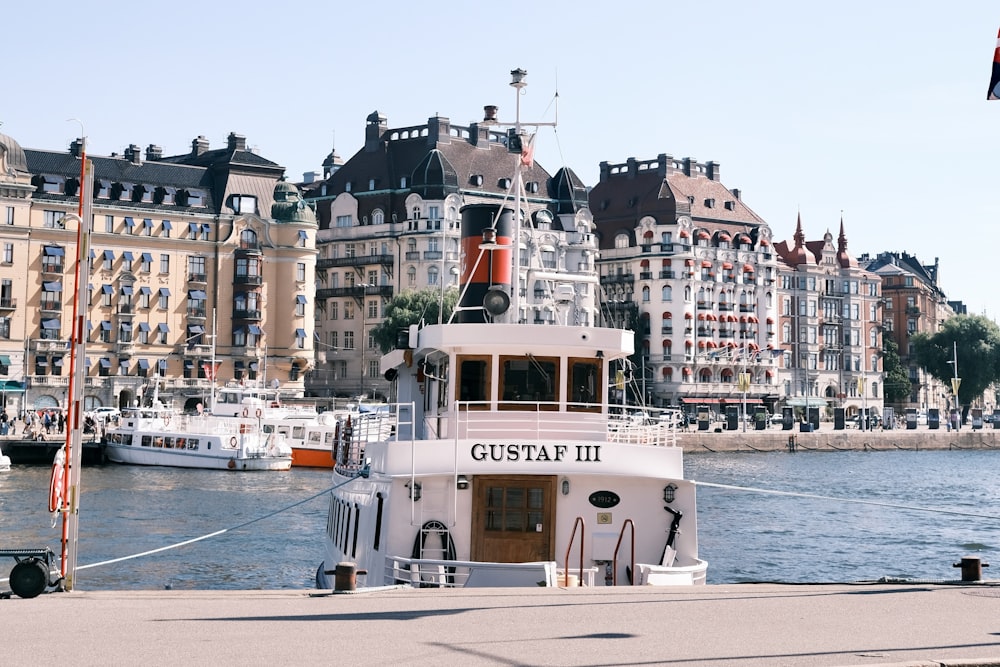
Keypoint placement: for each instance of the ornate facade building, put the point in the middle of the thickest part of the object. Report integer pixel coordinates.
(195, 258)
(692, 269)
(830, 326)
(914, 303)
(389, 222)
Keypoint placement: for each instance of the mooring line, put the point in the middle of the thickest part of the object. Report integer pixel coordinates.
(210, 535)
(813, 496)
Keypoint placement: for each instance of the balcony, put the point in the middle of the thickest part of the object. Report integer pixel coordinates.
(125, 348)
(412, 256)
(645, 275)
(191, 351)
(8, 304)
(246, 315)
(360, 260)
(197, 278)
(125, 309)
(726, 306)
(42, 345)
(247, 280)
(48, 381)
(197, 313)
(666, 273)
(357, 291)
(53, 268)
(51, 307)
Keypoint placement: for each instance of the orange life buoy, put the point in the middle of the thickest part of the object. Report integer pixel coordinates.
(56, 482)
(259, 413)
(231, 464)
(246, 412)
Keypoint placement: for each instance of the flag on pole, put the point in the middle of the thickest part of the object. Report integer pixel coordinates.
(210, 372)
(528, 151)
(994, 92)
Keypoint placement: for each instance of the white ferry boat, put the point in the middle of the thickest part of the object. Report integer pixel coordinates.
(155, 436)
(502, 463)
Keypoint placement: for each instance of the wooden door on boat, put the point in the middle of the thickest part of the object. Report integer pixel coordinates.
(513, 519)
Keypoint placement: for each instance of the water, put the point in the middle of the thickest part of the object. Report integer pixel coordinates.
(754, 537)
(132, 509)
(744, 536)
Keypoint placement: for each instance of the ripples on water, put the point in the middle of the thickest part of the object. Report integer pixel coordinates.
(132, 509)
(756, 537)
(744, 536)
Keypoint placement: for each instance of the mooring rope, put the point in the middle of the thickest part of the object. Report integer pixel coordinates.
(858, 501)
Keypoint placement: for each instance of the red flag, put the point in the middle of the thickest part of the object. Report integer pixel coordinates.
(994, 92)
(209, 371)
(528, 152)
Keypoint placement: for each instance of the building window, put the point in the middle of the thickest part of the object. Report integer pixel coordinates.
(432, 275)
(8, 253)
(411, 277)
(333, 340)
(373, 309)
(300, 306)
(52, 219)
(348, 340)
(333, 308)
(300, 272)
(344, 221)
(196, 269)
(164, 263)
(378, 217)
(10, 215)
(164, 299)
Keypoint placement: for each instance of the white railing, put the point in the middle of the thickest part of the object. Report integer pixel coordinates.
(435, 573)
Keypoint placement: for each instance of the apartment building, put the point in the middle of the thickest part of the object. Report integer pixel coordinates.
(200, 270)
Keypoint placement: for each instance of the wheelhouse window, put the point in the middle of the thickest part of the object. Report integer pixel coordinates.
(529, 382)
(584, 385)
(474, 380)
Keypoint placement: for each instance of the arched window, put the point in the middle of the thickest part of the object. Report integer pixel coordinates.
(415, 213)
(786, 333)
(378, 217)
(687, 293)
(621, 241)
(874, 389)
(873, 337)
(432, 275)
(667, 293)
(704, 375)
(645, 293)
(248, 239)
(411, 277)
(874, 366)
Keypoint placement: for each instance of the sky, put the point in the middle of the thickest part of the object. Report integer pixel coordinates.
(871, 112)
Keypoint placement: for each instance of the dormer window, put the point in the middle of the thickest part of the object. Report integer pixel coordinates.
(244, 204)
(709, 203)
(371, 183)
(476, 179)
(347, 186)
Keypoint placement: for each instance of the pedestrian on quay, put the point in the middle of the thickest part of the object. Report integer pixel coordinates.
(27, 422)
(4, 422)
(61, 421)
(47, 421)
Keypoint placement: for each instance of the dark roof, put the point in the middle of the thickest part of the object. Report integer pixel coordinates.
(435, 159)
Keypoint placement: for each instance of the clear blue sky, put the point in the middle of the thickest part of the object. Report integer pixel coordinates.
(874, 109)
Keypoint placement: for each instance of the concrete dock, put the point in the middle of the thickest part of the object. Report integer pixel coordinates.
(741, 625)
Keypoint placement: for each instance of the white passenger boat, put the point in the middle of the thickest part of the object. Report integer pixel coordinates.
(503, 463)
(155, 436)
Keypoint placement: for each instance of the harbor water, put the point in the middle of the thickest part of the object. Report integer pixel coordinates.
(746, 535)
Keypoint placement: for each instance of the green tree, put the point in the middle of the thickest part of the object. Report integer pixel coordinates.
(895, 378)
(976, 342)
(412, 307)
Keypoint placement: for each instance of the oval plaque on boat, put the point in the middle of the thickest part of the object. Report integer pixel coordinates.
(604, 499)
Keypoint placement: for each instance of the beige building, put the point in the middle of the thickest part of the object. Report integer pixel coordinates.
(193, 259)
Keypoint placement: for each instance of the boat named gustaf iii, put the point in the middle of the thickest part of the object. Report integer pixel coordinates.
(503, 462)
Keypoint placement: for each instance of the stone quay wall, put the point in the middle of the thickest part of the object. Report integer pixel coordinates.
(823, 440)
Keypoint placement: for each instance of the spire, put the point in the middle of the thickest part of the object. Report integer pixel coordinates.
(799, 237)
(842, 239)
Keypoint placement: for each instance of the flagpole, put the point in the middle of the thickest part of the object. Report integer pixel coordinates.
(73, 459)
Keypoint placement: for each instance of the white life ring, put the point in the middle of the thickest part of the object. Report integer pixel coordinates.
(56, 481)
(232, 442)
(259, 413)
(166, 420)
(246, 412)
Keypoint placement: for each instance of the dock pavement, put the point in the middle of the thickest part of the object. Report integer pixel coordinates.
(705, 626)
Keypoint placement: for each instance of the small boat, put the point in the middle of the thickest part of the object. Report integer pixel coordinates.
(156, 436)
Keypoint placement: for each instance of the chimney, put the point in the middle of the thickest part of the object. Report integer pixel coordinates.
(439, 130)
(712, 169)
(687, 164)
(133, 154)
(236, 142)
(75, 147)
(199, 146)
(663, 162)
(490, 113)
(736, 193)
(633, 167)
(153, 153)
(375, 127)
(605, 171)
(479, 134)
